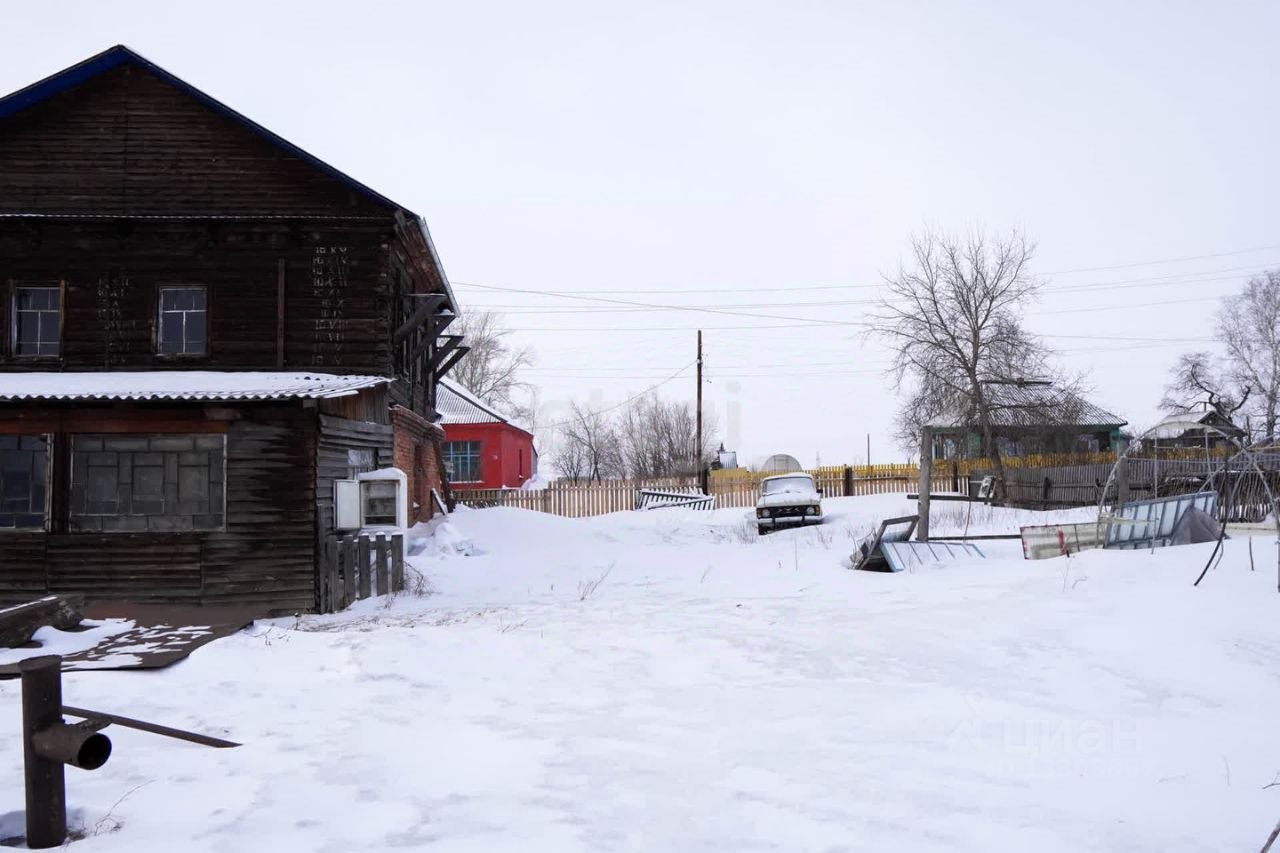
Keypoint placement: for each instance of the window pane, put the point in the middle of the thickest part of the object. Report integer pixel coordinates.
(170, 333)
(195, 332)
(22, 467)
(48, 326)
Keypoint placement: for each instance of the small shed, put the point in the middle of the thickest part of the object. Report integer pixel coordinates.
(483, 448)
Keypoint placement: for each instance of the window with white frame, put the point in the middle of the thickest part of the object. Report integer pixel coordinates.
(182, 325)
(37, 321)
(462, 460)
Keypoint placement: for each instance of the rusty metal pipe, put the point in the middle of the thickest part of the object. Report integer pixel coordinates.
(75, 745)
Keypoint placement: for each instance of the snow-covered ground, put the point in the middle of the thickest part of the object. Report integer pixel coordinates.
(670, 681)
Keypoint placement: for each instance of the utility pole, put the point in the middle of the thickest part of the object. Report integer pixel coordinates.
(697, 450)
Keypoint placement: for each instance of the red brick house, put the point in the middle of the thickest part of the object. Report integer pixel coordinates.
(483, 448)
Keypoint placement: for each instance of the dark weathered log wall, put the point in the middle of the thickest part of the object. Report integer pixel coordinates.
(334, 307)
(265, 556)
(126, 143)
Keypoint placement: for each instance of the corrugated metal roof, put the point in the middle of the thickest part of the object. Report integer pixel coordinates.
(457, 405)
(181, 385)
(1034, 406)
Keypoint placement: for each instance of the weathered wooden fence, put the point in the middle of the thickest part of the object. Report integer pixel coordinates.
(1242, 489)
(573, 500)
(729, 488)
(356, 567)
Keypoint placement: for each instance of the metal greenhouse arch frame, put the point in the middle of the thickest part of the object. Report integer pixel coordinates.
(1245, 453)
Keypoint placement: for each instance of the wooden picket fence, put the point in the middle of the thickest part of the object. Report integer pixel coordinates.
(573, 500)
(354, 567)
(729, 488)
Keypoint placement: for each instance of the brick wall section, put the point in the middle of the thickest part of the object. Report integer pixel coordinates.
(415, 450)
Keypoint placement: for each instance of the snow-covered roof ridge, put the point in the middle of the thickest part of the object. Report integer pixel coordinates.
(457, 405)
(182, 385)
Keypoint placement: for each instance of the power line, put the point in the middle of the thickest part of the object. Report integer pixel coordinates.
(673, 377)
(1164, 261)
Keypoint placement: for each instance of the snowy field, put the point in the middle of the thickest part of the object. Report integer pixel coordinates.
(670, 681)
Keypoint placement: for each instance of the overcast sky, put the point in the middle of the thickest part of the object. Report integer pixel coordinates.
(765, 158)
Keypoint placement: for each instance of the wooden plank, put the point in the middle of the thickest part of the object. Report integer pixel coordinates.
(381, 565)
(397, 562)
(363, 573)
(350, 558)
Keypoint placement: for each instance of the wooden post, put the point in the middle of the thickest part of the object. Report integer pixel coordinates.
(46, 779)
(397, 562)
(365, 555)
(348, 571)
(848, 481)
(926, 482)
(697, 450)
(381, 575)
(1122, 483)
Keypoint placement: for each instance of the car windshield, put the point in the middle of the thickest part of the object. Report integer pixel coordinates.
(782, 485)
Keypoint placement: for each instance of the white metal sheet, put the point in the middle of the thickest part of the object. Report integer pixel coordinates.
(904, 556)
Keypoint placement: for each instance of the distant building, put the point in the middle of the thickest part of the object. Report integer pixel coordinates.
(483, 448)
(1195, 429)
(1029, 419)
(725, 459)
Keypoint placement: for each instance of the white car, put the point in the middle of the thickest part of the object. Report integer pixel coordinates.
(788, 499)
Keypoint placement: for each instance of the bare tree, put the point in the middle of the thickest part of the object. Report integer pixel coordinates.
(491, 368)
(648, 437)
(952, 318)
(1198, 383)
(587, 446)
(1249, 329)
(658, 438)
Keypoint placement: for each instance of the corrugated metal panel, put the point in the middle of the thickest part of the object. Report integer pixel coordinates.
(1152, 521)
(457, 405)
(181, 385)
(910, 555)
(1042, 541)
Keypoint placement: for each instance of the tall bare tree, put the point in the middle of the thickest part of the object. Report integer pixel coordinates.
(1249, 329)
(491, 368)
(952, 318)
(1197, 382)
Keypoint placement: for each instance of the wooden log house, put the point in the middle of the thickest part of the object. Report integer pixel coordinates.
(202, 327)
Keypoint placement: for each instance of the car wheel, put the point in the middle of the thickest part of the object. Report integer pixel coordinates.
(761, 529)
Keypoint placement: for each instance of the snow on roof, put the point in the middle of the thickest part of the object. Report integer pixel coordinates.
(1179, 423)
(1034, 406)
(181, 385)
(457, 405)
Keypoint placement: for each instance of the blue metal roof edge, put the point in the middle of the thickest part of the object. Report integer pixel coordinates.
(119, 55)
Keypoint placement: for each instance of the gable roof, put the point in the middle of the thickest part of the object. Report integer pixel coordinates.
(119, 55)
(1179, 424)
(457, 405)
(1032, 406)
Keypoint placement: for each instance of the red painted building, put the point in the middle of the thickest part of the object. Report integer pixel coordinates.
(483, 449)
